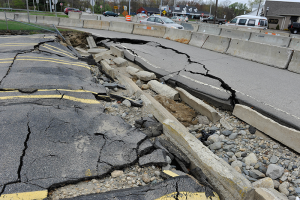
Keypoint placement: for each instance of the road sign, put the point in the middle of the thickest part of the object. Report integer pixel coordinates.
(115, 7)
(164, 12)
(68, 5)
(54, 1)
(92, 2)
(202, 14)
(37, 1)
(125, 8)
(61, 4)
(125, 13)
(101, 6)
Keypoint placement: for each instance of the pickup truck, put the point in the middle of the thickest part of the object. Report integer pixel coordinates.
(294, 28)
(211, 20)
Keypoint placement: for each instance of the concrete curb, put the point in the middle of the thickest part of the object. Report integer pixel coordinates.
(268, 126)
(199, 105)
(227, 181)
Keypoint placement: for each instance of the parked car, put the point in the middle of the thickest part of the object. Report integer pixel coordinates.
(161, 21)
(67, 10)
(249, 21)
(141, 15)
(179, 19)
(110, 13)
(211, 20)
(294, 27)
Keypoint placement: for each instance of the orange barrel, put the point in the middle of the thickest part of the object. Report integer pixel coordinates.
(128, 18)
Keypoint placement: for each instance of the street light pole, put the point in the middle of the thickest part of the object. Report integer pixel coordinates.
(27, 11)
(174, 9)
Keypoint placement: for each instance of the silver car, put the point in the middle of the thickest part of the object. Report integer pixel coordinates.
(161, 21)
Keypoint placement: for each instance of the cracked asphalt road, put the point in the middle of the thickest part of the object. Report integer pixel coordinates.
(271, 91)
(53, 130)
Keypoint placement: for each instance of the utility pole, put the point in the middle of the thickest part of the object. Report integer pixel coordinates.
(174, 9)
(27, 11)
(216, 11)
(129, 8)
(160, 7)
(258, 7)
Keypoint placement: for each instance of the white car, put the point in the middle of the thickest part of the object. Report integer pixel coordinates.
(249, 21)
(161, 21)
(179, 19)
(141, 15)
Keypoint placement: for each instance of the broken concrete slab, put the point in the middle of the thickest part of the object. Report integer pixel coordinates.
(268, 126)
(131, 70)
(163, 90)
(103, 55)
(145, 76)
(108, 69)
(91, 42)
(199, 105)
(120, 62)
(96, 50)
(268, 194)
(157, 157)
(116, 51)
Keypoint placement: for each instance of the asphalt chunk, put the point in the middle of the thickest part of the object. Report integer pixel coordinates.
(180, 187)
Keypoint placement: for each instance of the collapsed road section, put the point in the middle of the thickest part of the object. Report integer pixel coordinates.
(62, 127)
(252, 154)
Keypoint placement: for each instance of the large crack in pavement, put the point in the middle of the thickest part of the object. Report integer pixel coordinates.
(233, 100)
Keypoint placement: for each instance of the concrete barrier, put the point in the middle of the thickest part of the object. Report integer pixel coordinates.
(40, 19)
(71, 22)
(8, 15)
(124, 27)
(102, 25)
(155, 31)
(51, 20)
(294, 65)
(198, 39)
(295, 36)
(231, 33)
(190, 27)
(74, 15)
(267, 54)
(295, 44)
(24, 18)
(177, 35)
(241, 28)
(277, 33)
(270, 39)
(89, 17)
(268, 126)
(217, 43)
(209, 30)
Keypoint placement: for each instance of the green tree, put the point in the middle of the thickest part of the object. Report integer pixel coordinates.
(107, 7)
(18, 4)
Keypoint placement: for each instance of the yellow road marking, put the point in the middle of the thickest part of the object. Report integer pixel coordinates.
(170, 173)
(7, 59)
(60, 52)
(46, 90)
(59, 49)
(77, 63)
(6, 62)
(55, 96)
(55, 62)
(189, 196)
(37, 195)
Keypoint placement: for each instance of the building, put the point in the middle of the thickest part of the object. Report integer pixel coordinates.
(282, 13)
(148, 10)
(191, 12)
